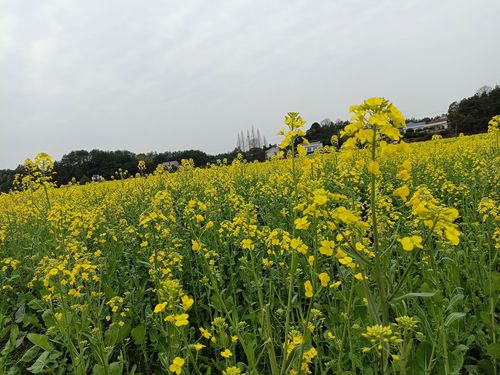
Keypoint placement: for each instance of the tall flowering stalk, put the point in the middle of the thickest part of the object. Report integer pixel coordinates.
(293, 131)
(373, 119)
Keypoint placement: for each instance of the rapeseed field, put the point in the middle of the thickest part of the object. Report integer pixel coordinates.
(378, 257)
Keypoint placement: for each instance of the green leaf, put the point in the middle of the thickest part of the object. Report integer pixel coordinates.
(115, 334)
(40, 363)
(32, 319)
(485, 318)
(20, 313)
(54, 355)
(493, 350)
(457, 357)
(139, 334)
(453, 317)
(116, 368)
(40, 340)
(48, 318)
(423, 355)
(454, 301)
(486, 366)
(98, 370)
(14, 332)
(30, 354)
(10, 345)
(495, 281)
(108, 292)
(37, 305)
(124, 332)
(14, 370)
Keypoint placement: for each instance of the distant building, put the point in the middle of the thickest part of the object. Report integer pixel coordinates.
(168, 165)
(433, 126)
(439, 123)
(313, 146)
(416, 125)
(270, 152)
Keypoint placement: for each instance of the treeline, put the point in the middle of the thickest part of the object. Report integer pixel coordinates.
(84, 165)
(471, 115)
(323, 131)
(468, 116)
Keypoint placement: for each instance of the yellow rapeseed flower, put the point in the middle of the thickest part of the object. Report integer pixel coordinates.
(198, 346)
(402, 192)
(176, 366)
(308, 289)
(326, 247)
(187, 302)
(160, 307)
(324, 278)
(374, 168)
(181, 320)
(409, 243)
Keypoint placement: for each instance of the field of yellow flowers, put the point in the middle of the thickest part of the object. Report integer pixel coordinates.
(378, 258)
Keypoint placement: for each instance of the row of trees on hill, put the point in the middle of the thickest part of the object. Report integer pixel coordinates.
(84, 165)
(324, 130)
(471, 115)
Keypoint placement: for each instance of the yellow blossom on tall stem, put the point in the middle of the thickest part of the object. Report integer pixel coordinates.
(371, 120)
(308, 289)
(226, 353)
(176, 366)
(324, 279)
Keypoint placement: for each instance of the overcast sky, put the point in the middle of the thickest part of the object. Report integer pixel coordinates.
(168, 75)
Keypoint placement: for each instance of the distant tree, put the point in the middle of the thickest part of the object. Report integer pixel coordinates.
(484, 90)
(7, 178)
(315, 127)
(255, 154)
(252, 139)
(324, 130)
(471, 115)
(84, 180)
(75, 164)
(228, 156)
(326, 122)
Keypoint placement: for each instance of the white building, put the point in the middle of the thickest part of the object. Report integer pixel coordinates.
(434, 126)
(313, 146)
(168, 165)
(270, 152)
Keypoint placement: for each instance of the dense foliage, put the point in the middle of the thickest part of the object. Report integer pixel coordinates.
(323, 132)
(471, 115)
(378, 258)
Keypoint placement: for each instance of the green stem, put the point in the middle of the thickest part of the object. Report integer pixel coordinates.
(215, 286)
(378, 267)
(266, 329)
(344, 330)
(293, 267)
(413, 259)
